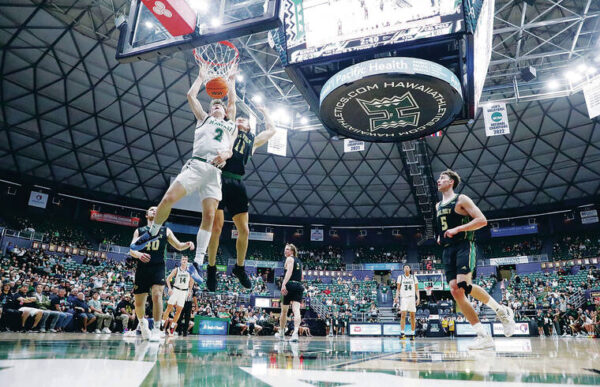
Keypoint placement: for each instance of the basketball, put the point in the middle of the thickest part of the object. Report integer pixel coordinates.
(216, 88)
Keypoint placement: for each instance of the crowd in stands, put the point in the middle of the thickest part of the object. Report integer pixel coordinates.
(512, 247)
(576, 246)
(552, 299)
(322, 258)
(380, 255)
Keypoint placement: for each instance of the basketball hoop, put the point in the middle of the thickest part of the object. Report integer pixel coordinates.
(217, 59)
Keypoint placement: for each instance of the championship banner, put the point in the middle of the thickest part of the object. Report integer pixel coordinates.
(114, 219)
(255, 236)
(495, 117)
(316, 234)
(591, 92)
(277, 144)
(38, 199)
(351, 145)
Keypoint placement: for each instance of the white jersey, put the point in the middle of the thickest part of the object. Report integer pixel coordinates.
(407, 285)
(182, 279)
(213, 136)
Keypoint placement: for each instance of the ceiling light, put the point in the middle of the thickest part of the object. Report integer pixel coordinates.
(582, 67)
(257, 98)
(199, 5)
(591, 70)
(553, 84)
(572, 76)
(240, 78)
(149, 24)
(215, 22)
(282, 116)
(598, 58)
(304, 120)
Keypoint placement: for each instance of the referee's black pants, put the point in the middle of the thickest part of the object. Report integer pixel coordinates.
(184, 319)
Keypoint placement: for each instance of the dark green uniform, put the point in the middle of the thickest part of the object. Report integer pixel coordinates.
(234, 196)
(460, 252)
(153, 272)
(294, 285)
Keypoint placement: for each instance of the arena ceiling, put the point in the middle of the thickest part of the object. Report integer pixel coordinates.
(72, 115)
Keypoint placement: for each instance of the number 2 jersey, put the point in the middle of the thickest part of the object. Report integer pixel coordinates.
(157, 248)
(213, 136)
(407, 285)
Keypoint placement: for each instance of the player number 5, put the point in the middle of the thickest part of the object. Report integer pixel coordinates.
(444, 223)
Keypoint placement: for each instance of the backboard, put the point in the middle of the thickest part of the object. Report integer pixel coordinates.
(142, 36)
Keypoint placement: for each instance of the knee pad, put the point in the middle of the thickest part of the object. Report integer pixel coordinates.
(466, 287)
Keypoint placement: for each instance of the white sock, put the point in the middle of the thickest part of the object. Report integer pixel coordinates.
(479, 329)
(493, 304)
(155, 228)
(202, 239)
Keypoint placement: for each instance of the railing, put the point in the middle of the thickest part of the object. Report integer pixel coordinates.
(577, 299)
(25, 234)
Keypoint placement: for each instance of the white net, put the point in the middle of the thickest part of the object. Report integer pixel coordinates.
(217, 59)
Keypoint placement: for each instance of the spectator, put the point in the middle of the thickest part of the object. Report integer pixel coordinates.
(103, 320)
(124, 313)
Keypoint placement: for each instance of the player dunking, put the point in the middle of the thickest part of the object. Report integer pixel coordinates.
(213, 142)
(457, 219)
(150, 273)
(407, 291)
(235, 198)
(291, 290)
(182, 289)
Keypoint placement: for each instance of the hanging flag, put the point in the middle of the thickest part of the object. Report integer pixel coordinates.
(495, 117)
(591, 92)
(278, 143)
(351, 145)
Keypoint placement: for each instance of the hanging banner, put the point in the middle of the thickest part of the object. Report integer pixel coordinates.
(38, 199)
(316, 234)
(591, 92)
(351, 145)
(277, 144)
(589, 216)
(255, 236)
(114, 219)
(495, 117)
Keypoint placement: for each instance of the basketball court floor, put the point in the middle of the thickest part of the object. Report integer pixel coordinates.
(111, 360)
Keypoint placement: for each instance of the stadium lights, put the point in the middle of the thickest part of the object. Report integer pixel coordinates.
(149, 24)
(281, 116)
(199, 5)
(598, 58)
(257, 98)
(591, 70)
(572, 76)
(215, 22)
(582, 67)
(304, 120)
(553, 84)
(240, 78)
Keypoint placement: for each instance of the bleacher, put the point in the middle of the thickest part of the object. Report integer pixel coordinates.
(365, 293)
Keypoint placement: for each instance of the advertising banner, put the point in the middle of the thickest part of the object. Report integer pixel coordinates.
(508, 260)
(393, 329)
(114, 219)
(316, 234)
(211, 326)
(364, 329)
(465, 329)
(521, 329)
(38, 199)
(515, 230)
(255, 236)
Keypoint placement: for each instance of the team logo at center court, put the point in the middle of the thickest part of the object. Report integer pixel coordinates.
(394, 112)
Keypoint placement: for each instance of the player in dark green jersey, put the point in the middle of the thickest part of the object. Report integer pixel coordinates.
(150, 273)
(235, 199)
(457, 220)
